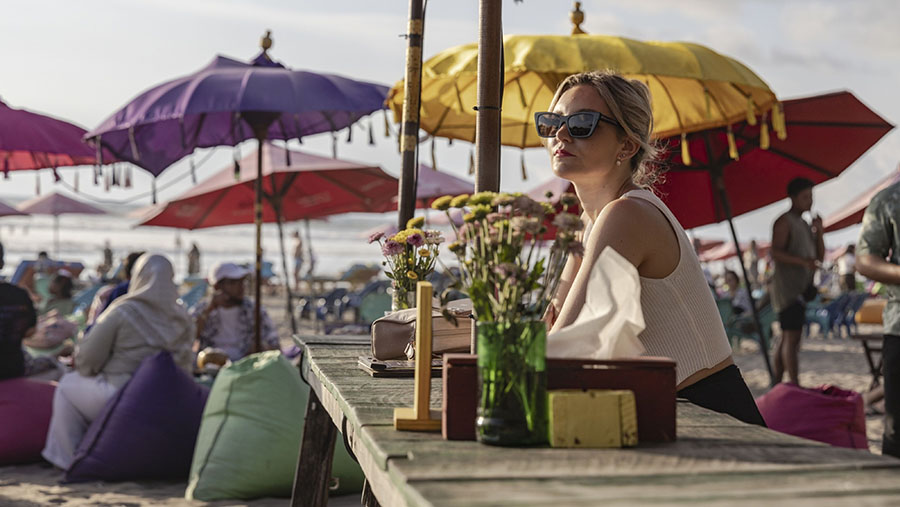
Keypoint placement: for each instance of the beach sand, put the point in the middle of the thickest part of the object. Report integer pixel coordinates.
(822, 361)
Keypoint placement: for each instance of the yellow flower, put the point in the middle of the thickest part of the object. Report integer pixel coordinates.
(415, 222)
(442, 203)
(459, 201)
(412, 275)
(482, 198)
(424, 252)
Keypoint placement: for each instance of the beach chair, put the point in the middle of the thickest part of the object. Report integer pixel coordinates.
(194, 294)
(848, 319)
(827, 316)
(370, 303)
(331, 304)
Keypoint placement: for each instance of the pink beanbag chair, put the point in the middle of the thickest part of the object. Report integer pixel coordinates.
(25, 408)
(826, 414)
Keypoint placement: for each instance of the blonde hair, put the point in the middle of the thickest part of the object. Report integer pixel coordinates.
(629, 101)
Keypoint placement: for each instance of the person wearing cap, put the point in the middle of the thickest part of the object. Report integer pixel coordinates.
(226, 321)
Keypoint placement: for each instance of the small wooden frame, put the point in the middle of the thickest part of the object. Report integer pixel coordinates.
(420, 417)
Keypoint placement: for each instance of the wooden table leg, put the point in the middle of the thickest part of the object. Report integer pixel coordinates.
(316, 453)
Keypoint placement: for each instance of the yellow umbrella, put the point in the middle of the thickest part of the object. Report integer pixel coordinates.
(693, 87)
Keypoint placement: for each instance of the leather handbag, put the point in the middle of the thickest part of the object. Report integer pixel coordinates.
(393, 333)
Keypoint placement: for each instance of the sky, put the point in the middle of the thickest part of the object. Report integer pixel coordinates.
(83, 60)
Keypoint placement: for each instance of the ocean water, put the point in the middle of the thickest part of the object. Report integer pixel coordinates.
(337, 242)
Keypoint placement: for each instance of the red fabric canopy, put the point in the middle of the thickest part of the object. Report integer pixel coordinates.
(825, 135)
(306, 186)
(853, 212)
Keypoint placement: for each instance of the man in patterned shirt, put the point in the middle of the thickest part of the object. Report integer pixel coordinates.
(227, 321)
(878, 258)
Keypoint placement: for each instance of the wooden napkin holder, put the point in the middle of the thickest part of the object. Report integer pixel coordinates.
(652, 379)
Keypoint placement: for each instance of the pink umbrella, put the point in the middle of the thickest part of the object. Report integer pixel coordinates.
(56, 205)
(727, 251)
(853, 212)
(6, 210)
(431, 184)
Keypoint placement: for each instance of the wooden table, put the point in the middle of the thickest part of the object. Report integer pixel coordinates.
(716, 460)
(872, 344)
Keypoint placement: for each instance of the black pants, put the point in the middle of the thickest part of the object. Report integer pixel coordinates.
(725, 391)
(890, 444)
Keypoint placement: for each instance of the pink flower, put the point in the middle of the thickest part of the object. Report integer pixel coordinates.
(391, 247)
(375, 237)
(415, 239)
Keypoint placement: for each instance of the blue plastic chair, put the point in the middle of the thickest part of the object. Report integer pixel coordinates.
(827, 316)
(194, 294)
(848, 319)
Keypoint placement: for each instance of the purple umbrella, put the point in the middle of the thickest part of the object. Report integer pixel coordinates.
(6, 211)
(228, 102)
(56, 205)
(34, 141)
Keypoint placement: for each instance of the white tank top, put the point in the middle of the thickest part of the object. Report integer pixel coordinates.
(680, 314)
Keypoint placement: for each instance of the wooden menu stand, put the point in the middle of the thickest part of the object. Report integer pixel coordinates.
(420, 417)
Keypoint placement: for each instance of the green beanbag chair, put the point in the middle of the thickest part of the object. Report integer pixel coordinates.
(250, 435)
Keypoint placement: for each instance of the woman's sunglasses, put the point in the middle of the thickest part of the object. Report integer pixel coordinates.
(579, 125)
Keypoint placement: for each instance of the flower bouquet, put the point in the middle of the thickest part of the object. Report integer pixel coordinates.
(409, 257)
(511, 279)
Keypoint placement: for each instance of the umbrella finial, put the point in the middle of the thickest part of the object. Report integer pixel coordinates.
(577, 18)
(266, 42)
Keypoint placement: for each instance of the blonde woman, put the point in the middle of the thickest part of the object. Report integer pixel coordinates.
(598, 135)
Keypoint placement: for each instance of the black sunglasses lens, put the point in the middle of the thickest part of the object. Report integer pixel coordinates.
(582, 124)
(548, 124)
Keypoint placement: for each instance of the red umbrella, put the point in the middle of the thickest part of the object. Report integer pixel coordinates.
(56, 205)
(296, 186)
(853, 212)
(825, 135)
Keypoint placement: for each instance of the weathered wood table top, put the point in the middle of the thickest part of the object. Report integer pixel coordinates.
(716, 460)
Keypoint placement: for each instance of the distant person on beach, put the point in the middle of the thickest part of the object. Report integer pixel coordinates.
(193, 259)
(298, 259)
(43, 263)
(227, 321)
(136, 326)
(751, 260)
(107, 259)
(846, 267)
(878, 258)
(797, 249)
(739, 296)
(60, 294)
(599, 137)
(17, 321)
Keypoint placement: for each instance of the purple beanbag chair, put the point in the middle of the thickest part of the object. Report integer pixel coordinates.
(826, 414)
(25, 408)
(147, 430)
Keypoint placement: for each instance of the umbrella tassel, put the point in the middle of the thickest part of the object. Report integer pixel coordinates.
(685, 150)
(778, 123)
(471, 161)
(6, 166)
(134, 149)
(37, 183)
(371, 133)
(433, 154)
(524, 172)
(128, 177)
(387, 124)
(76, 181)
(349, 133)
(193, 170)
(153, 189)
(237, 164)
(56, 176)
(764, 134)
(449, 141)
(732, 145)
(98, 158)
(114, 176)
(96, 175)
(107, 181)
(334, 143)
(287, 155)
(751, 115)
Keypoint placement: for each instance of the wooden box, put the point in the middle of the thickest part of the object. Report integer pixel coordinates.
(592, 418)
(651, 379)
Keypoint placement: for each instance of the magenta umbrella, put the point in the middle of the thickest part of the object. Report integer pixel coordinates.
(853, 212)
(56, 205)
(35, 141)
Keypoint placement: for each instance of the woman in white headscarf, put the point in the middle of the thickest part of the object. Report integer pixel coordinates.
(147, 320)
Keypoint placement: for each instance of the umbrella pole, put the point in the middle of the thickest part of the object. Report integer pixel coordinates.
(258, 212)
(487, 120)
(56, 236)
(309, 279)
(284, 266)
(409, 130)
(726, 205)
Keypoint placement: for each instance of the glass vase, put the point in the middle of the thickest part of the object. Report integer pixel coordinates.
(512, 383)
(402, 299)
